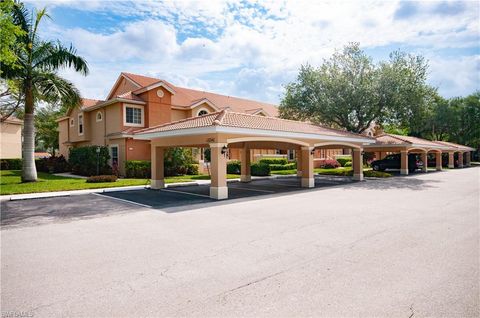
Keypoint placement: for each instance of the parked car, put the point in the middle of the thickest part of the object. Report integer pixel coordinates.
(393, 162)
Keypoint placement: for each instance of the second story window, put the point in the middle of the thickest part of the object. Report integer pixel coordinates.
(99, 116)
(133, 115)
(80, 124)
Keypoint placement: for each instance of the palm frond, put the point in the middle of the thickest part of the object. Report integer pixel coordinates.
(20, 17)
(52, 57)
(54, 89)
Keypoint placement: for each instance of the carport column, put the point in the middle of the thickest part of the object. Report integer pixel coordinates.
(404, 162)
(460, 159)
(357, 157)
(425, 162)
(245, 174)
(308, 180)
(467, 159)
(451, 160)
(438, 161)
(218, 167)
(158, 175)
(299, 162)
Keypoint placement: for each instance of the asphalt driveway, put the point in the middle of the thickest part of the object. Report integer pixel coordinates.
(402, 247)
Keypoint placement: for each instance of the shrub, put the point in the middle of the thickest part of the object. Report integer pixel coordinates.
(348, 164)
(102, 178)
(83, 160)
(11, 164)
(52, 164)
(274, 161)
(192, 169)
(138, 169)
(176, 161)
(288, 166)
(329, 163)
(260, 169)
(376, 174)
(234, 167)
(344, 160)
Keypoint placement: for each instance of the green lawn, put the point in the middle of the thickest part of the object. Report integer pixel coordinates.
(10, 182)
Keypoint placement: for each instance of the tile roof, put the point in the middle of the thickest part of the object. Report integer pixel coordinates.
(87, 102)
(454, 145)
(185, 97)
(392, 139)
(241, 120)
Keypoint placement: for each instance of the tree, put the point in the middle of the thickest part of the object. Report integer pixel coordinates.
(349, 91)
(36, 78)
(9, 32)
(46, 127)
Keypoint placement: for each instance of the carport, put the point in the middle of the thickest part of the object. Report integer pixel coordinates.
(464, 153)
(390, 143)
(225, 130)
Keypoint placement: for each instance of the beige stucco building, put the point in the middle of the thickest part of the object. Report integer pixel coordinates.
(137, 102)
(11, 138)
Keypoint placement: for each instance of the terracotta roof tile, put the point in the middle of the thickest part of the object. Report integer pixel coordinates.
(391, 139)
(130, 95)
(241, 120)
(454, 145)
(87, 102)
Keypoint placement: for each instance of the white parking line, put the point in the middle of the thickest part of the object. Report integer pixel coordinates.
(250, 189)
(195, 194)
(123, 200)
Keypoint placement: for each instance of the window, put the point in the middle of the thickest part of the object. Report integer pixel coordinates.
(133, 115)
(99, 116)
(72, 122)
(114, 155)
(80, 124)
(202, 112)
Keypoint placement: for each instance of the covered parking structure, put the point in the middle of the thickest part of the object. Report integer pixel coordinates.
(225, 130)
(405, 145)
(464, 154)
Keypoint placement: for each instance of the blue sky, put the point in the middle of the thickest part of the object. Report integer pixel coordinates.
(253, 48)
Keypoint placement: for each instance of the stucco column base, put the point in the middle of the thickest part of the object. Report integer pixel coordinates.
(245, 178)
(450, 166)
(299, 173)
(219, 193)
(157, 184)
(439, 168)
(424, 169)
(308, 182)
(404, 172)
(358, 177)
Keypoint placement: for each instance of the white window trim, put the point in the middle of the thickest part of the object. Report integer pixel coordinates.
(110, 153)
(72, 122)
(125, 115)
(83, 124)
(101, 116)
(203, 108)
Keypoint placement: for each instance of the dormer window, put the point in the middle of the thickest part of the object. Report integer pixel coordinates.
(202, 112)
(99, 116)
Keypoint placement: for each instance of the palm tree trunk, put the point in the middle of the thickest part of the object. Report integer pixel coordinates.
(29, 171)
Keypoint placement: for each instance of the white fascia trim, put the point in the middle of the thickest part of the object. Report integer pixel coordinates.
(155, 85)
(113, 101)
(257, 132)
(204, 101)
(389, 145)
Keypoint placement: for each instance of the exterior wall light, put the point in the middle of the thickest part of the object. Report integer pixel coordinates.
(224, 150)
(312, 152)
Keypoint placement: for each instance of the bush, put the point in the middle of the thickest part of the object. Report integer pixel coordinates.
(102, 178)
(138, 169)
(348, 164)
(83, 160)
(344, 160)
(52, 164)
(260, 169)
(288, 166)
(234, 167)
(329, 163)
(274, 161)
(192, 169)
(177, 161)
(376, 174)
(11, 164)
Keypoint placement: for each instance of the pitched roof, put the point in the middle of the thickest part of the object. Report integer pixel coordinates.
(392, 139)
(454, 145)
(87, 102)
(227, 118)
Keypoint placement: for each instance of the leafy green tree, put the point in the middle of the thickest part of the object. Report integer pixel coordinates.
(9, 32)
(46, 127)
(349, 91)
(36, 79)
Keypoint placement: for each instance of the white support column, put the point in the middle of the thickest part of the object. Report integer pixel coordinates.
(245, 174)
(438, 161)
(425, 162)
(468, 159)
(308, 180)
(404, 162)
(451, 160)
(218, 167)
(299, 162)
(460, 159)
(157, 168)
(357, 157)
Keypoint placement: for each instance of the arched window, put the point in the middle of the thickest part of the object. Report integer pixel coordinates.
(99, 116)
(202, 112)
(72, 122)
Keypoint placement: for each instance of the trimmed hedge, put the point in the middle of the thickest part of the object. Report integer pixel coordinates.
(52, 164)
(11, 164)
(344, 160)
(329, 163)
(348, 164)
(273, 161)
(234, 167)
(83, 161)
(102, 178)
(288, 166)
(260, 169)
(192, 169)
(138, 169)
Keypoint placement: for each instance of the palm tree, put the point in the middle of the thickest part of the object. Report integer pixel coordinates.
(35, 78)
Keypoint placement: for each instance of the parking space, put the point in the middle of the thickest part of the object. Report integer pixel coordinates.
(199, 194)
